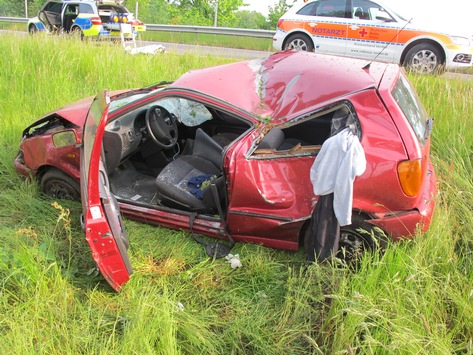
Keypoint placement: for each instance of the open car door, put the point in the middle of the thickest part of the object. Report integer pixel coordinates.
(103, 224)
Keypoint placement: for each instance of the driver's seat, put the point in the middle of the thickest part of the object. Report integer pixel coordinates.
(176, 182)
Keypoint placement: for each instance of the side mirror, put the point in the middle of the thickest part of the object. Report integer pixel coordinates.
(63, 139)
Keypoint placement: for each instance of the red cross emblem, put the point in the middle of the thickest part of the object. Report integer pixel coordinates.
(363, 33)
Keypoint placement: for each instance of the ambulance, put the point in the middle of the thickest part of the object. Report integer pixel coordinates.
(369, 30)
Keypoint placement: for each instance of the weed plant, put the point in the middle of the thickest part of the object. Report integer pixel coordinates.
(415, 298)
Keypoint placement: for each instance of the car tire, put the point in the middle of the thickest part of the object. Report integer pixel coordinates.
(355, 239)
(299, 42)
(424, 58)
(32, 30)
(358, 238)
(57, 184)
(76, 32)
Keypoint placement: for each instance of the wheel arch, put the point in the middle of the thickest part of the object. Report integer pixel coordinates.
(305, 227)
(423, 41)
(45, 168)
(75, 28)
(32, 28)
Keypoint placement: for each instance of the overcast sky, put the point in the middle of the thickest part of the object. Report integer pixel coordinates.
(453, 13)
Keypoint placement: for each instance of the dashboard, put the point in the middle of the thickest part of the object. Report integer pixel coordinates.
(123, 136)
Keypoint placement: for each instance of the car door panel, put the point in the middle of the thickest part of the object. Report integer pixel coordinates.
(104, 228)
(268, 199)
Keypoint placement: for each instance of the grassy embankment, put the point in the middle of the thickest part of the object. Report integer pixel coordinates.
(417, 298)
(203, 39)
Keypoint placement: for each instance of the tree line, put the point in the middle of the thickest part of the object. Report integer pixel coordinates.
(178, 12)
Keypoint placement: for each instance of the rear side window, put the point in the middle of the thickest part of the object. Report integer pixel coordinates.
(308, 10)
(86, 9)
(332, 8)
(327, 8)
(409, 102)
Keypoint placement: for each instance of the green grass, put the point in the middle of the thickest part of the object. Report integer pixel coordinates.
(416, 298)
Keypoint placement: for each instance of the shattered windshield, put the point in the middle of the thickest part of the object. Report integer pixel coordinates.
(190, 113)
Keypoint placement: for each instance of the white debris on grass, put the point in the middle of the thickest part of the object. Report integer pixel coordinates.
(150, 49)
(234, 261)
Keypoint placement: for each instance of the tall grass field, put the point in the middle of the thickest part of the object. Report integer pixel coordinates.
(417, 298)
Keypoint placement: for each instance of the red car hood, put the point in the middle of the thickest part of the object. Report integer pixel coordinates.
(76, 112)
(282, 86)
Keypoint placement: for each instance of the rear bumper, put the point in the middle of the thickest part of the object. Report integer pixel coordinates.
(405, 224)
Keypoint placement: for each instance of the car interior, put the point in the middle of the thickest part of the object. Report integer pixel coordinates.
(170, 153)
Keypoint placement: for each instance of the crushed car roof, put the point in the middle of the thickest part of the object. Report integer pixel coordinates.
(285, 83)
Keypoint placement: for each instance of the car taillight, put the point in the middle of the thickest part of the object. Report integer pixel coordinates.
(410, 176)
(280, 23)
(95, 20)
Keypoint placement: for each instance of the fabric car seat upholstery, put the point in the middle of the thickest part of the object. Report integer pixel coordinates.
(275, 139)
(172, 182)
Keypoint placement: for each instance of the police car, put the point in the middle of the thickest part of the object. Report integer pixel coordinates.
(369, 30)
(85, 18)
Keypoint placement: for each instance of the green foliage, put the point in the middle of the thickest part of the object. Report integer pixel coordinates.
(276, 11)
(16, 8)
(416, 298)
(183, 12)
(251, 19)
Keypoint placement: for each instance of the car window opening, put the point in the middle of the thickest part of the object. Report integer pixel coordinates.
(307, 135)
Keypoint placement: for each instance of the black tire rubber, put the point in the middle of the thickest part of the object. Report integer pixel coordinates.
(77, 33)
(32, 30)
(359, 237)
(57, 184)
(424, 58)
(355, 239)
(299, 42)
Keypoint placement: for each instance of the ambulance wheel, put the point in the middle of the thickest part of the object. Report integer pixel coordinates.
(299, 42)
(424, 58)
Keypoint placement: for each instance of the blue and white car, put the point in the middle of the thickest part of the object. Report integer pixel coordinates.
(85, 18)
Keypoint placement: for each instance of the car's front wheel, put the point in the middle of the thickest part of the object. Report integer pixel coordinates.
(299, 42)
(424, 58)
(58, 184)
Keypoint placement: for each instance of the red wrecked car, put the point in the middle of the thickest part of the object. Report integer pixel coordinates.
(226, 151)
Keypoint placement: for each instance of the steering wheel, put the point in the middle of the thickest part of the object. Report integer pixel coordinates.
(162, 126)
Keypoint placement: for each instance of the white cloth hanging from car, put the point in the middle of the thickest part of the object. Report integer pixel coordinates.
(339, 161)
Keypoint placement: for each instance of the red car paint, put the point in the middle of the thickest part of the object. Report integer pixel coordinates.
(269, 196)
